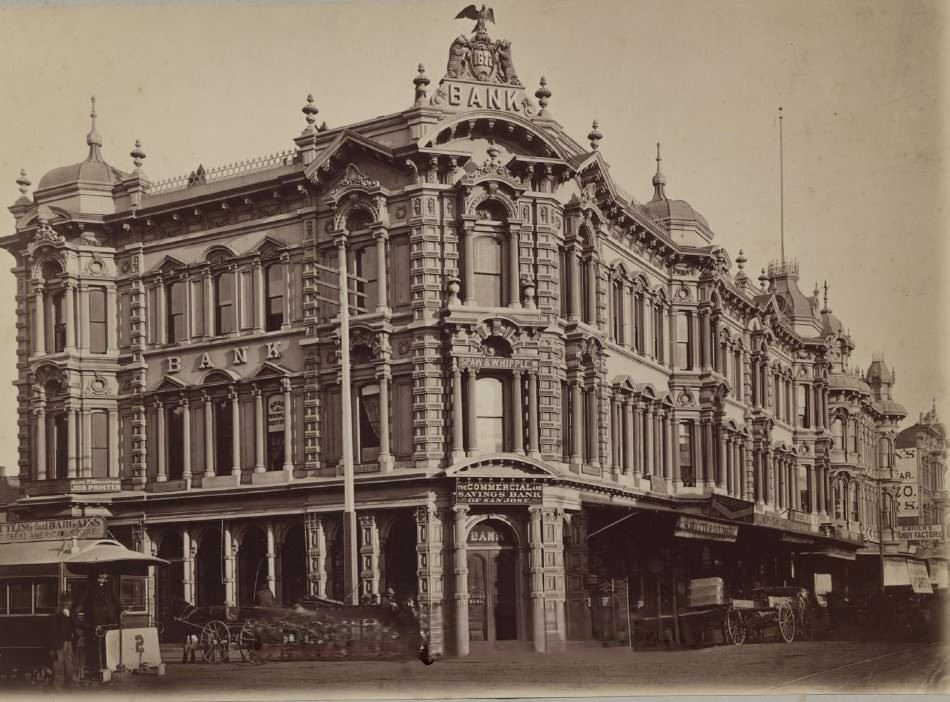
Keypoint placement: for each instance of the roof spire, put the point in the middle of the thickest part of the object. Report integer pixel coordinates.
(781, 180)
(826, 308)
(659, 180)
(92, 138)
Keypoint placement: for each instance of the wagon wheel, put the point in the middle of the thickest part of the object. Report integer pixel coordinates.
(249, 640)
(786, 622)
(733, 627)
(214, 641)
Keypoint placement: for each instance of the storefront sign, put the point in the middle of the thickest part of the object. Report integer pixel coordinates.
(796, 539)
(839, 552)
(798, 516)
(695, 528)
(498, 362)
(275, 413)
(73, 485)
(732, 508)
(920, 533)
(486, 535)
(773, 522)
(498, 491)
(53, 530)
(919, 577)
(906, 494)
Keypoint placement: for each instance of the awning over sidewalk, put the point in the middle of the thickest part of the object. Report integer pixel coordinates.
(79, 556)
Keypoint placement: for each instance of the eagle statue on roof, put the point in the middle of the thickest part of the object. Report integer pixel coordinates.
(486, 14)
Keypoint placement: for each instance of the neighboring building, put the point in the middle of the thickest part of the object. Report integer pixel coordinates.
(535, 356)
(9, 491)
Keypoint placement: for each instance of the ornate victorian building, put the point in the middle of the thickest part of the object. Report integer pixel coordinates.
(552, 382)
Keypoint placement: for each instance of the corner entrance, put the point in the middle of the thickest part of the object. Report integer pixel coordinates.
(492, 583)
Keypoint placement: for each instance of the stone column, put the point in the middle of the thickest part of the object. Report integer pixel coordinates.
(69, 313)
(757, 480)
(822, 491)
(593, 412)
(369, 557)
(82, 340)
(259, 436)
(514, 269)
(316, 555)
(39, 442)
(85, 443)
(461, 580)
(230, 551)
(209, 436)
(812, 490)
(112, 317)
(536, 570)
(285, 261)
(209, 329)
(186, 440)
(627, 431)
(429, 571)
(188, 552)
(161, 470)
(709, 468)
(161, 312)
(648, 468)
(533, 428)
(113, 418)
(39, 320)
(288, 427)
(382, 275)
(70, 440)
(468, 262)
(259, 294)
(517, 424)
(728, 465)
(705, 340)
(472, 415)
(670, 446)
(722, 465)
(235, 432)
(458, 445)
(767, 480)
(271, 559)
(638, 465)
(577, 449)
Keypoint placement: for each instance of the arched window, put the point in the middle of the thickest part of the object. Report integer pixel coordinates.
(852, 436)
(839, 500)
(618, 310)
(488, 268)
(367, 424)
(275, 281)
(175, 312)
(224, 303)
(837, 429)
(59, 321)
(490, 414)
(638, 322)
(366, 270)
(658, 337)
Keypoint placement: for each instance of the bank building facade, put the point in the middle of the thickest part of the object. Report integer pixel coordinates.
(553, 384)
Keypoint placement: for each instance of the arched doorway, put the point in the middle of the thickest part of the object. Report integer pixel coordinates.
(492, 582)
(171, 579)
(401, 559)
(293, 566)
(209, 569)
(251, 565)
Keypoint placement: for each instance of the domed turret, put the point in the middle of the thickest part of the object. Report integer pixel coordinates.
(685, 225)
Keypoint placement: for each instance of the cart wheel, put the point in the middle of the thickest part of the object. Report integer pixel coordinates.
(214, 641)
(733, 627)
(786, 622)
(249, 640)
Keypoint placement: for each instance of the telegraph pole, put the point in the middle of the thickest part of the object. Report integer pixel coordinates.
(350, 534)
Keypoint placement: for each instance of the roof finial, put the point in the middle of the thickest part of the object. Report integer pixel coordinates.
(310, 111)
(595, 136)
(826, 308)
(659, 180)
(92, 138)
(138, 156)
(763, 280)
(24, 183)
(421, 81)
(543, 94)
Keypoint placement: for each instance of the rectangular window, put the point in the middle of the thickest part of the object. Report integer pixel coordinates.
(197, 308)
(638, 323)
(684, 337)
(686, 454)
(488, 272)
(367, 423)
(224, 303)
(59, 321)
(364, 262)
(490, 414)
(737, 375)
(97, 320)
(331, 429)
(45, 596)
(402, 417)
(777, 396)
(100, 444)
(275, 289)
(60, 445)
(177, 304)
(132, 594)
(658, 334)
(247, 300)
(803, 406)
(400, 278)
(20, 593)
(564, 277)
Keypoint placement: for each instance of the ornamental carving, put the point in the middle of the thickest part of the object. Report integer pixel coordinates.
(96, 267)
(97, 386)
(479, 58)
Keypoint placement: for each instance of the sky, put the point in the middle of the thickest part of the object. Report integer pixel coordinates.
(862, 84)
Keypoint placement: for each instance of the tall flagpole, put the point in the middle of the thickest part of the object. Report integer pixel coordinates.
(781, 181)
(350, 555)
